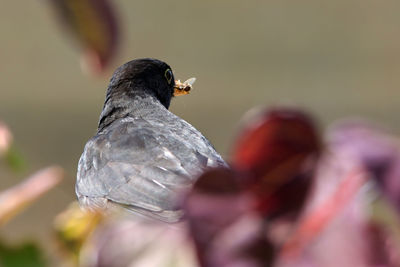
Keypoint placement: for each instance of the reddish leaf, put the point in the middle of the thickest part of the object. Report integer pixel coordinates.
(93, 23)
(314, 222)
(275, 154)
(288, 199)
(273, 144)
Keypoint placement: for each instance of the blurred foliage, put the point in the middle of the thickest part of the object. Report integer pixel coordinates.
(94, 25)
(8, 151)
(73, 227)
(14, 159)
(352, 213)
(387, 218)
(26, 255)
(259, 212)
(15, 199)
(274, 157)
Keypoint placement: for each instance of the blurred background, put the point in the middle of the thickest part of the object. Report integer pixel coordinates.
(334, 58)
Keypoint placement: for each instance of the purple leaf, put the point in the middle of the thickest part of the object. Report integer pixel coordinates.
(226, 230)
(376, 150)
(348, 217)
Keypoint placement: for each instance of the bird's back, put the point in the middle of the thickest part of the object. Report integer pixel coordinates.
(142, 161)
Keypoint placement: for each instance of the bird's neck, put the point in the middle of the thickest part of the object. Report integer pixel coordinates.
(138, 104)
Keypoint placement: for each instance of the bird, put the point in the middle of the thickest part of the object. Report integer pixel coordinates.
(142, 155)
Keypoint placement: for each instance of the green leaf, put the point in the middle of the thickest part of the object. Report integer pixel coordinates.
(27, 255)
(14, 159)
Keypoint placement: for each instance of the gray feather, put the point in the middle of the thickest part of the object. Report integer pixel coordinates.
(142, 159)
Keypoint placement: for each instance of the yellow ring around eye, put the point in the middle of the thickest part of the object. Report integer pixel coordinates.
(168, 75)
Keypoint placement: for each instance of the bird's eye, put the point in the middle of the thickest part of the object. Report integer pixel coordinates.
(168, 75)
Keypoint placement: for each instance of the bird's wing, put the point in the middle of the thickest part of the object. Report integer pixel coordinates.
(140, 166)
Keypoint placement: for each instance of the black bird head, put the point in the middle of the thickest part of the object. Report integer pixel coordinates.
(143, 76)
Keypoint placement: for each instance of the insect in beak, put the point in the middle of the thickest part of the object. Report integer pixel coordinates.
(183, 88)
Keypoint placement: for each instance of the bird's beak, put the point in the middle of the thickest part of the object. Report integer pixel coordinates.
(183, 88)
